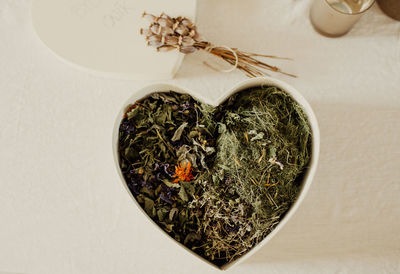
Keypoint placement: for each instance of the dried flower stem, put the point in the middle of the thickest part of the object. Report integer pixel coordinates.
(167, 33)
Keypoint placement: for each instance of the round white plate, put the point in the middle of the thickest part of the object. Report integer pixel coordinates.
(102, 36)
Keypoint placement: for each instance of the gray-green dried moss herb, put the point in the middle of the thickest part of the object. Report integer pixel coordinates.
(217, 179)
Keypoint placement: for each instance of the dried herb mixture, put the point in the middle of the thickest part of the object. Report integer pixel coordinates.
(216, 179)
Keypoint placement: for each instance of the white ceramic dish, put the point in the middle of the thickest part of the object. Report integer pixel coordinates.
(267, 81)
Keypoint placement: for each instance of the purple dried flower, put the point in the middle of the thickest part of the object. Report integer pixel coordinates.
(135, 184)
(165, 198)
(186, 106)
(127, 126)
(162, 169)
(168, 191)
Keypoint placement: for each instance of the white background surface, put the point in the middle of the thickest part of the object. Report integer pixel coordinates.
(64, 210)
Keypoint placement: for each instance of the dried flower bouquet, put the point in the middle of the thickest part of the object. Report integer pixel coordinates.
(167, 33)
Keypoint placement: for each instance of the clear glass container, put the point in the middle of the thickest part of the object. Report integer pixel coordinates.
(337, 17)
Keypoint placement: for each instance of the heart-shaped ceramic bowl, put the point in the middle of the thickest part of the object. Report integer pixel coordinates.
(254, 82)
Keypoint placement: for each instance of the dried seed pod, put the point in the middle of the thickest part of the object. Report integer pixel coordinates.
(187, 49)
(187, 23)
(159, 30)
(171, 40)
(165, 22)
(149, 17)
(163, 15)
(193, 28)
(153, 43)
(182, 30)
(187, 41)
(154, 40)
(175, 25)
(155, 28)
(192, 33)
(146, 32)
(166, 31)
(197, 37)
(165, 48)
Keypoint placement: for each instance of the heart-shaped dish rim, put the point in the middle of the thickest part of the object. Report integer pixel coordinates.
(253, 82)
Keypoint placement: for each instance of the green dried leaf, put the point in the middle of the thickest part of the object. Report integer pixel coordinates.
(168, 227)
(183, 154)
(147, 191)
(178, 132)
(164, 97)
(162, 213)
(272, 152)
(189, 187)
(149, 207)
(133, 113)
(169, 184)
(182, 194)
(172, 213)
(258, 136)
(191, 237)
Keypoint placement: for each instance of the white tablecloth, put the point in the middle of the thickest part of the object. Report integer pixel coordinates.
(63, 208)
